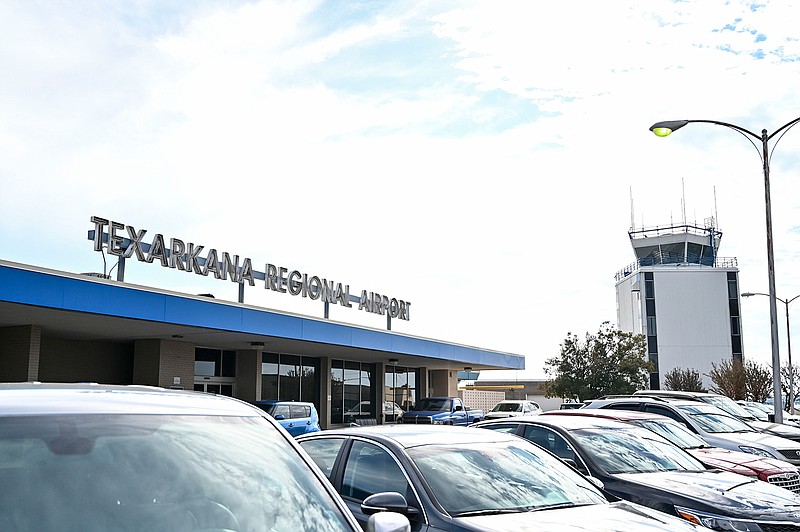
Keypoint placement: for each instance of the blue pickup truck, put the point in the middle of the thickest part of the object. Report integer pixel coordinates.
(440, 411)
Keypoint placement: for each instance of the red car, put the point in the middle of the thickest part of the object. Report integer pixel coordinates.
(770, 470)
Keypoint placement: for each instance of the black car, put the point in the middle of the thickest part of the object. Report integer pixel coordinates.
(640, 466)
(465, 479)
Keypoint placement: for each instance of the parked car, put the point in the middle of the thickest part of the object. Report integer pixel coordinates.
(730, 406)
(296, 417)
(440, 411)
(513, 408)
(768, 409)
(88, 457)
(777, 472)
(638, 465)
(714, 425)
(465, 479)
(363, 409)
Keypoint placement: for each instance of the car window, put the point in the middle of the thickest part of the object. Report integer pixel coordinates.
(550, 440)
(502, 427)
(624, 406)
(371, 469)
(633, 450)
(282, 410)
(674, 432)
(657, 409)
(713, 420)
(300, 411)
(323, 451)
(156, 472)
(496, 477)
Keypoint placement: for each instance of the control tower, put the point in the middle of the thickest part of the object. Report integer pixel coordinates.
(683, 297)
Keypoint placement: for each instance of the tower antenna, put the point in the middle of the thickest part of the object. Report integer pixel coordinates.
(633, 223)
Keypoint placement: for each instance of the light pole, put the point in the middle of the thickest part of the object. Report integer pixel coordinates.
(788, 343)
(662, 129)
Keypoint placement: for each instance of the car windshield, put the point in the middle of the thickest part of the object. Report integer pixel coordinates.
(715, 421)
(675, 433)
(731, 407)
(507, 407)
(433, 405)
(156, 472)
(509, 477)
(633, 450)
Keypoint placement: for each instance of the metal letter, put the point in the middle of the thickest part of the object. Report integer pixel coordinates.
(99, 224)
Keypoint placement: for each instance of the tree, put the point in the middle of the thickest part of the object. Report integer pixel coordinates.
(685, 380)
(729, 379)
(785, 373)
(758, 381)
(610, 362)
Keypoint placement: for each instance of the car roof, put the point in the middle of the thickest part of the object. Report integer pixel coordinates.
(676, 393)
(561, 419)
(647, 399)
(609, 413)
(277, 402)
(39, 398)
(407, 436)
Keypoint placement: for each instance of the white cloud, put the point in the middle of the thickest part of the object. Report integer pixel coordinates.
(476, 158)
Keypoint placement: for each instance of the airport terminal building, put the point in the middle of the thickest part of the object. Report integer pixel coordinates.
(74, 327)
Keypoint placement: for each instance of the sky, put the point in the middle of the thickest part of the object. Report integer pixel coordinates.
(483, 161)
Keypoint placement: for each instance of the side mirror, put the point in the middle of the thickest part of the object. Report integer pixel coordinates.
(596, 481)
(280, 417)
(581, 469)
(388, 522)
(388, 501)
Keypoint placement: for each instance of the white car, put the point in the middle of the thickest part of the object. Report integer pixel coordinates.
(514, 408)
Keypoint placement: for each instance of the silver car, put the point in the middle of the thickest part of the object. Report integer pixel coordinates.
(86, 457)
(513, 408)
(712, 424)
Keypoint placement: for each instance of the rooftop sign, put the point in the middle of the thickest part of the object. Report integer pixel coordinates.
(125, 241)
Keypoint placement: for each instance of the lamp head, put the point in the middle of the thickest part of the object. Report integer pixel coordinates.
(663, 129)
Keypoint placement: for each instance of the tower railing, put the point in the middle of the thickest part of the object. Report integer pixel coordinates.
(663, 259)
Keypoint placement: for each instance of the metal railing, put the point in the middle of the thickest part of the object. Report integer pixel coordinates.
(675, 259)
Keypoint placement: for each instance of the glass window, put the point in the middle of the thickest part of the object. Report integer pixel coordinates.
(289, 374)
(289, 378)
(301, 411)
(655, 409)
(159, 472)
(337, 391)
(633, 450)
(269, 376)
(323, 451)
(539, 480)
(371, 469)
(214, 362)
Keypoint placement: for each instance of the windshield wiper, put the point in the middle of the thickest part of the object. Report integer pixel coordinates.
(492, 511)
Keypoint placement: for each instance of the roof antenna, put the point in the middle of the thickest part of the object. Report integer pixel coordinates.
(683, 200)
(633, 223)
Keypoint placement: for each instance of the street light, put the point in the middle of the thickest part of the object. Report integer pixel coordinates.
(662, 129)
(788, 343)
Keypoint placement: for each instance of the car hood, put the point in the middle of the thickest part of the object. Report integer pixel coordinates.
(614, 517)
(744, 438)
(728, 493)
(740, 462)
(779, 429)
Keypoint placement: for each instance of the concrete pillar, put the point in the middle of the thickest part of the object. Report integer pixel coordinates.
(163, 362)
(444, 383)
(248, 375)
(19, 353)
(325, 393)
